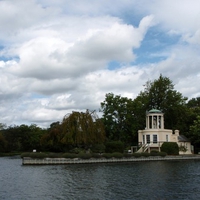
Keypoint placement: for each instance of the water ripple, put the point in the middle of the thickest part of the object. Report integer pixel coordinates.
(159, 180)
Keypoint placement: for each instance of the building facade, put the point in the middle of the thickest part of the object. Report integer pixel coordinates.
(153, 136)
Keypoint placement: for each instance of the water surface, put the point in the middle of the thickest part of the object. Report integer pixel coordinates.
(160, 180)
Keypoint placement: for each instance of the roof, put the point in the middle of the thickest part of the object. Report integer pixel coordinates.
(182, 138)
(155, 111)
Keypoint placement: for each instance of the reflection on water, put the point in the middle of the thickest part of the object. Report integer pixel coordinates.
(141, 180)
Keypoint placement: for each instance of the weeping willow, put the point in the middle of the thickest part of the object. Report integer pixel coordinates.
(82, 129)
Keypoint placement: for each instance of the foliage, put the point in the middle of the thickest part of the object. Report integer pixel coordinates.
(34, 155)
(114, 146)
(98, 148)
(51, 141)
(195, 130)
(96, 155)
(3, 143)
(107, 155)
(171, 148)
(144, 154)
(23, 137)
(76, 150)
(136, 155)
(160, 94)
(69, 155)
(84, 155)
(118, 118)
(117, 155)
(82, 129)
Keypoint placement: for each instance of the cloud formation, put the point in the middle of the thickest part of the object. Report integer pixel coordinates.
(59, 56)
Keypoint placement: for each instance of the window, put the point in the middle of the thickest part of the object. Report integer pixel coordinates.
(167, 139)
(155, 139)
(148, 139)
(143, 139)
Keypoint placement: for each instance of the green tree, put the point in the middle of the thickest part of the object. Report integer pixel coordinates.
(82, 129)
(160, 94)
(3, 143)
(51, 140)
(118, 118)
(195, 131)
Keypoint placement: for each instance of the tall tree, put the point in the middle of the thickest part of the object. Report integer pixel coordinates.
(82, 129)
(160, 94)
(51, 140)
(118, 118)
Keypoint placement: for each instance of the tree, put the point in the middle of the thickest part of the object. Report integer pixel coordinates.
(160, 94)
(118, 118)
(51, 140)
(3, 143)
(195, 131)
(82, 129)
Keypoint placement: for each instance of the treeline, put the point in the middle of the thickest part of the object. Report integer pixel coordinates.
(122, 118)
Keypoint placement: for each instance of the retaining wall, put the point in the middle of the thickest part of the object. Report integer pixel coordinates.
(59, 161)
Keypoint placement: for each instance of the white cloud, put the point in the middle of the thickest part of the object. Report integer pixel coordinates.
(55, 55)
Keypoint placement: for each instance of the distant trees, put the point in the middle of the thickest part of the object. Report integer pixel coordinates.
(22, 138)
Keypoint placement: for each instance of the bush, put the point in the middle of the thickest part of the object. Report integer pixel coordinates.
(77, 150)
(96, 155)
(137, 155)
(171, 148)
(70, 155)
(145, 154)
(34, 155)
(114, 146)
(154, 153)
(107, 155)
(127, 155)
(98, 148)
(163, 154)
(117, 155)
(84, 155)
(54, 155)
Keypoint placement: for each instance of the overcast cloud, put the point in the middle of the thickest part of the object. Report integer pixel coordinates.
(57, 56)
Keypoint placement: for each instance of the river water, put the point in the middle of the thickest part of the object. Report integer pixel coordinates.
(159, 180)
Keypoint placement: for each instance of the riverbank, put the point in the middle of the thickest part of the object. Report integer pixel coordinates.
(64, 161)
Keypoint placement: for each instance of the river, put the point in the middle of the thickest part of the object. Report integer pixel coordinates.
(159, 180)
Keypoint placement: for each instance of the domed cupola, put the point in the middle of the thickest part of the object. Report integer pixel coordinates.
(154, 119)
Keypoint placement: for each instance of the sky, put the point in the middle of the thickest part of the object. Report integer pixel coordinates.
(59, 56)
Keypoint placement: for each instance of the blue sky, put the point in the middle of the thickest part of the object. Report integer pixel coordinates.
(57, 56)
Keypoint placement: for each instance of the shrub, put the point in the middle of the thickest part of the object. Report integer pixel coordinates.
(34, 155)
(145, 154)
(70, 155)
(77, 150)
(127, 155)
(98, 148)
(117, 155)
(154, 153)
(163, 154)
(55, 155)
(114, 146)
(107, 155)
(96, 155)
(171, 148)
(137, 155)
(84, 155)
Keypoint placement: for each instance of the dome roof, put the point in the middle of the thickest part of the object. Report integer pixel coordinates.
(155, 111)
